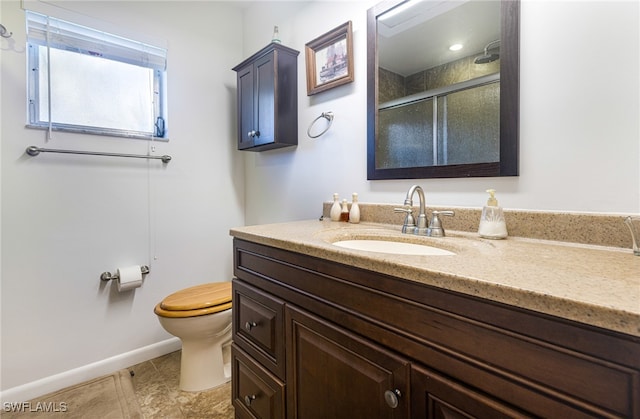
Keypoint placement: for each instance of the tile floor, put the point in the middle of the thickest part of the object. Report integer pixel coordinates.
(156, 386)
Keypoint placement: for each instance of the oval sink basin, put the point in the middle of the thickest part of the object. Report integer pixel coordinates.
(393, 247)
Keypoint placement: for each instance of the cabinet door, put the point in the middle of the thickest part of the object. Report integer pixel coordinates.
(246, 105)
(265, 99)
(436, 397)
(332, 373)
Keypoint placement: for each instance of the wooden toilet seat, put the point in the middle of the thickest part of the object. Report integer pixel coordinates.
(196, 301)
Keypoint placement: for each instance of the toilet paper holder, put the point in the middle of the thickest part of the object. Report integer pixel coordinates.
(108, 276)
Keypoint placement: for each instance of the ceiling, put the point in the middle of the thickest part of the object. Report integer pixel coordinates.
(419, 37)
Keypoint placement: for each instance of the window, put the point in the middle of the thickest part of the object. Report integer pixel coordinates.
(84, 80)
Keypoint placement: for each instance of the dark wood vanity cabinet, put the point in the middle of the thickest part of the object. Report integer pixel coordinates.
(268, 99)
(318, 339)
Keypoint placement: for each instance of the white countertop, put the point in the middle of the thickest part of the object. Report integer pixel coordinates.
(595, 285)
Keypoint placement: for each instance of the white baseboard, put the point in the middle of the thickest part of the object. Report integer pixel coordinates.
(88, 372)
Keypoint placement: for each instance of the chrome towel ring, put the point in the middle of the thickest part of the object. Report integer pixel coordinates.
(326, 115)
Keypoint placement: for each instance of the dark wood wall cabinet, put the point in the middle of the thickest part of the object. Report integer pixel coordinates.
(268, 99)
(317, 339)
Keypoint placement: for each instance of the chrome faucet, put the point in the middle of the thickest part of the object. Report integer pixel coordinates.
(422, 227)
(410, 225)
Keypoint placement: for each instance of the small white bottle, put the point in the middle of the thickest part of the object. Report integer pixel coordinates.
(492, 224)
(354, 212)
(334, 214)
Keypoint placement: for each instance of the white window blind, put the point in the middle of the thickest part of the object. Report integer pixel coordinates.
(56, 33)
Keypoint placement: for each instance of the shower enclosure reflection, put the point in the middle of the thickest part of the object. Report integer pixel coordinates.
(436, 111)
(454, 124)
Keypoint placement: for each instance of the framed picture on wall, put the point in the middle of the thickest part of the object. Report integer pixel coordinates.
(329, 60)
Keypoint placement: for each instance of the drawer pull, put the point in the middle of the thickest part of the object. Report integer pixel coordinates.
(249, 326)
(391, 397)
(249, 399)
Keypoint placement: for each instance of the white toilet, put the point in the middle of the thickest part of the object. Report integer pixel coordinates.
(201, 317)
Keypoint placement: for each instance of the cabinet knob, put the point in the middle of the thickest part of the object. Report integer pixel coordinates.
(391, 397)
(249, 399)
(249, 326)
(251, 134)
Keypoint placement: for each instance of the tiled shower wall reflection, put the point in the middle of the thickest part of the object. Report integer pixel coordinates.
(471, 133)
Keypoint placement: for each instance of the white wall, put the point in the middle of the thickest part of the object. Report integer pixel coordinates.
(579, 137)
(66, 219)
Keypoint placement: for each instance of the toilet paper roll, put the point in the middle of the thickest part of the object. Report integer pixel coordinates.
(129, 278)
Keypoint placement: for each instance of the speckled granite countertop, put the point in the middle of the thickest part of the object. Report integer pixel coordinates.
(595, 285)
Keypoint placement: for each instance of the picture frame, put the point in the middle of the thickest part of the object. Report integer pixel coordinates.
(329, 59)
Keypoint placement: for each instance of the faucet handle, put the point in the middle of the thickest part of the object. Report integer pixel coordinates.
(436, 220)
(406, 209)
(409, 222)
(436, 229)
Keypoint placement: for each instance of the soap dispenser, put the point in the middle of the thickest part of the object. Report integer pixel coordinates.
(334, 214)
(492, 224)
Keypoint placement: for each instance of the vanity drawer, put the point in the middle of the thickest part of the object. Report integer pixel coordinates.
(258, 326)
(255, 393)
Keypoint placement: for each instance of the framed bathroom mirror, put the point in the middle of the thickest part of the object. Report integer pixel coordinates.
(437, 110)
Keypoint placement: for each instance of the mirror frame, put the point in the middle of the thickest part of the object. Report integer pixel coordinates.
(509, 104)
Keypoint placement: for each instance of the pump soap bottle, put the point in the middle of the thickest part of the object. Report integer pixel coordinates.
(492, 224)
